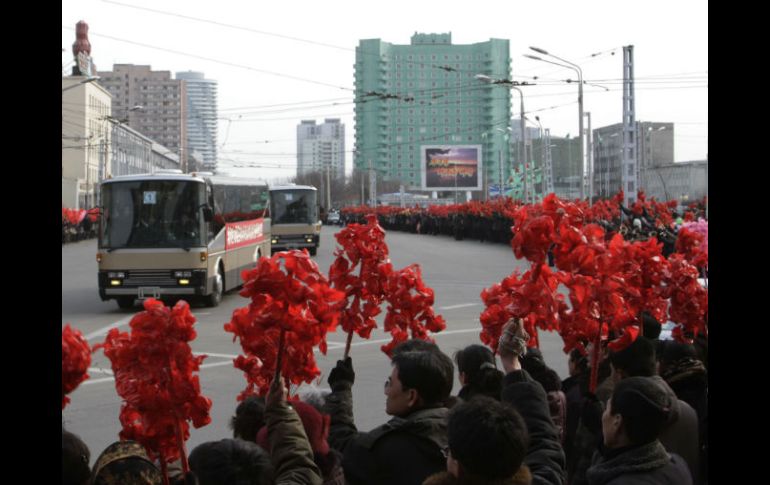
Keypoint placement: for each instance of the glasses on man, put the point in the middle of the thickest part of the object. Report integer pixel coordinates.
(445, 451)
(388, 382)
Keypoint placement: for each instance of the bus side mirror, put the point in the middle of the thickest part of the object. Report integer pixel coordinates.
(208, 214)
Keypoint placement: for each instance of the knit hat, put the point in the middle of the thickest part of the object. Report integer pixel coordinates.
(514, 338)
(125, 462)
(316, 428)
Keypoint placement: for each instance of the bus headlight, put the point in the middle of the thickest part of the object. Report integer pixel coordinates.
(204, 256)
(274, 240)
(309, 239)
(184, 281)
(115, 282)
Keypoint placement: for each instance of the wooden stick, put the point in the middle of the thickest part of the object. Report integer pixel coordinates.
(279, 358)
(347, 345)
(595, 361)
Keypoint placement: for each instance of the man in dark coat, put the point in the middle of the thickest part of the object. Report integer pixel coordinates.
(680, 433)
(631, 453)
(545, 456)
(408, 448)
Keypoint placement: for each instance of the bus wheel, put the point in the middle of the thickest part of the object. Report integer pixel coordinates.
(126, 302)
(313, 251)
(216, 296)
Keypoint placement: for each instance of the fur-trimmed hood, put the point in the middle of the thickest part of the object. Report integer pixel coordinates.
(522, 477)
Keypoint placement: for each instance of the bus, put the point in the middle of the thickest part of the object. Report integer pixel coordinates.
(172, 235)
(294, 215)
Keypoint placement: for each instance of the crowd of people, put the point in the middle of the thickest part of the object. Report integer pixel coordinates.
(77, 225)
(513, 423)
(492, 222)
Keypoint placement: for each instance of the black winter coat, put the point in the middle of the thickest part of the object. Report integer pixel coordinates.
(403, 451)
(639, 465)
(545, 456)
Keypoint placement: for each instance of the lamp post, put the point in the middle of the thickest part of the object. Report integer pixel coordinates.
(579, 71)
(512, 85)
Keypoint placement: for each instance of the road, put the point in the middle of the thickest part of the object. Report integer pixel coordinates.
(457, 271)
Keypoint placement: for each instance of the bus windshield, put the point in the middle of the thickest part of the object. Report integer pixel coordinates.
(297, 206)
(153, 214)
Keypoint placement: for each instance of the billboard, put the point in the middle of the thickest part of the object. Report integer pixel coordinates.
(451, 167)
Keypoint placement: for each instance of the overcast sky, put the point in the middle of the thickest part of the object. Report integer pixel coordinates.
(280, 62)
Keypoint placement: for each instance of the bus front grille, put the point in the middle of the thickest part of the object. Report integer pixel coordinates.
(162, 277)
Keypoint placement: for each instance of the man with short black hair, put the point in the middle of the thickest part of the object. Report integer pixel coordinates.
(635, 415)
(406, 449)
(488, 441)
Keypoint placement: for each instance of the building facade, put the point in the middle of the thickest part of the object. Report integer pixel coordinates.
(134, 153)
(654, 148)
(86, 108)
(321, 147)
(201, 117)
(682, 181)
(426, 93)
(150, 102)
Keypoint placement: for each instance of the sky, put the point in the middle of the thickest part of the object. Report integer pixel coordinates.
(277, 63)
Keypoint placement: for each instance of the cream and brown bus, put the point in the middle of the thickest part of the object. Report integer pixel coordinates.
(294, 216)
(172, 235)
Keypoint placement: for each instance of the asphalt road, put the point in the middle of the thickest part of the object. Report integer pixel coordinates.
(457, 271)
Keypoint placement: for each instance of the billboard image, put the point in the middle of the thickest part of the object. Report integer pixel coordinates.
(451, 167)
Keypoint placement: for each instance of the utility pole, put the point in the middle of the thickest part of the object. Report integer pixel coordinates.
(548, 165)
(590, 157)
(372, 184)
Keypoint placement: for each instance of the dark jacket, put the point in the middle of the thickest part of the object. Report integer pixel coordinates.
(639, 465)
(522, 477)
(402, 451)
(545, 457)
(680, 435)
(290, 450)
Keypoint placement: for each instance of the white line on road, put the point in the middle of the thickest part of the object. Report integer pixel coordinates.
(463, 305)
(98, 370)
(330, 345)
(224, 356)
(103, 331)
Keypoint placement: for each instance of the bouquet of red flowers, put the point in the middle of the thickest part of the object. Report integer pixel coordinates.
(410, 308)
(363, 246)
(154, 374)
(75, 359)
(291, 311)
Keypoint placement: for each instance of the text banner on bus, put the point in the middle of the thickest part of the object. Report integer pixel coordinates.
(238, 234)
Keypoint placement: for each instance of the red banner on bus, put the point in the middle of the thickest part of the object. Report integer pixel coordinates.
(238, 234)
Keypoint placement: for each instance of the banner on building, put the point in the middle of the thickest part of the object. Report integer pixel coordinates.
(451, 167)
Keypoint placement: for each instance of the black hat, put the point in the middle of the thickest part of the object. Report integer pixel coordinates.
(641, 397)
(638, 359)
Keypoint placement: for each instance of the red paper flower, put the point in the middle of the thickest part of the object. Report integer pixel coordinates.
(75, 359)
(410, 308)
(363, 247)
(630, 334)
(296, 299)
(153, 367)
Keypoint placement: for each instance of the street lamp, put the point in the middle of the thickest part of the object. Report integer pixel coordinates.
(511, 85)
(579, 71)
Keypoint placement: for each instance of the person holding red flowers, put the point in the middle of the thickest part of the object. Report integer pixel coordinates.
(545, 455)
(408, 448)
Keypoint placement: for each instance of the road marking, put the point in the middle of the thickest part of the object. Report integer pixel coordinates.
(463, 305)
(103, 331)
(330, 345)
(223, 356)
(98, 370)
